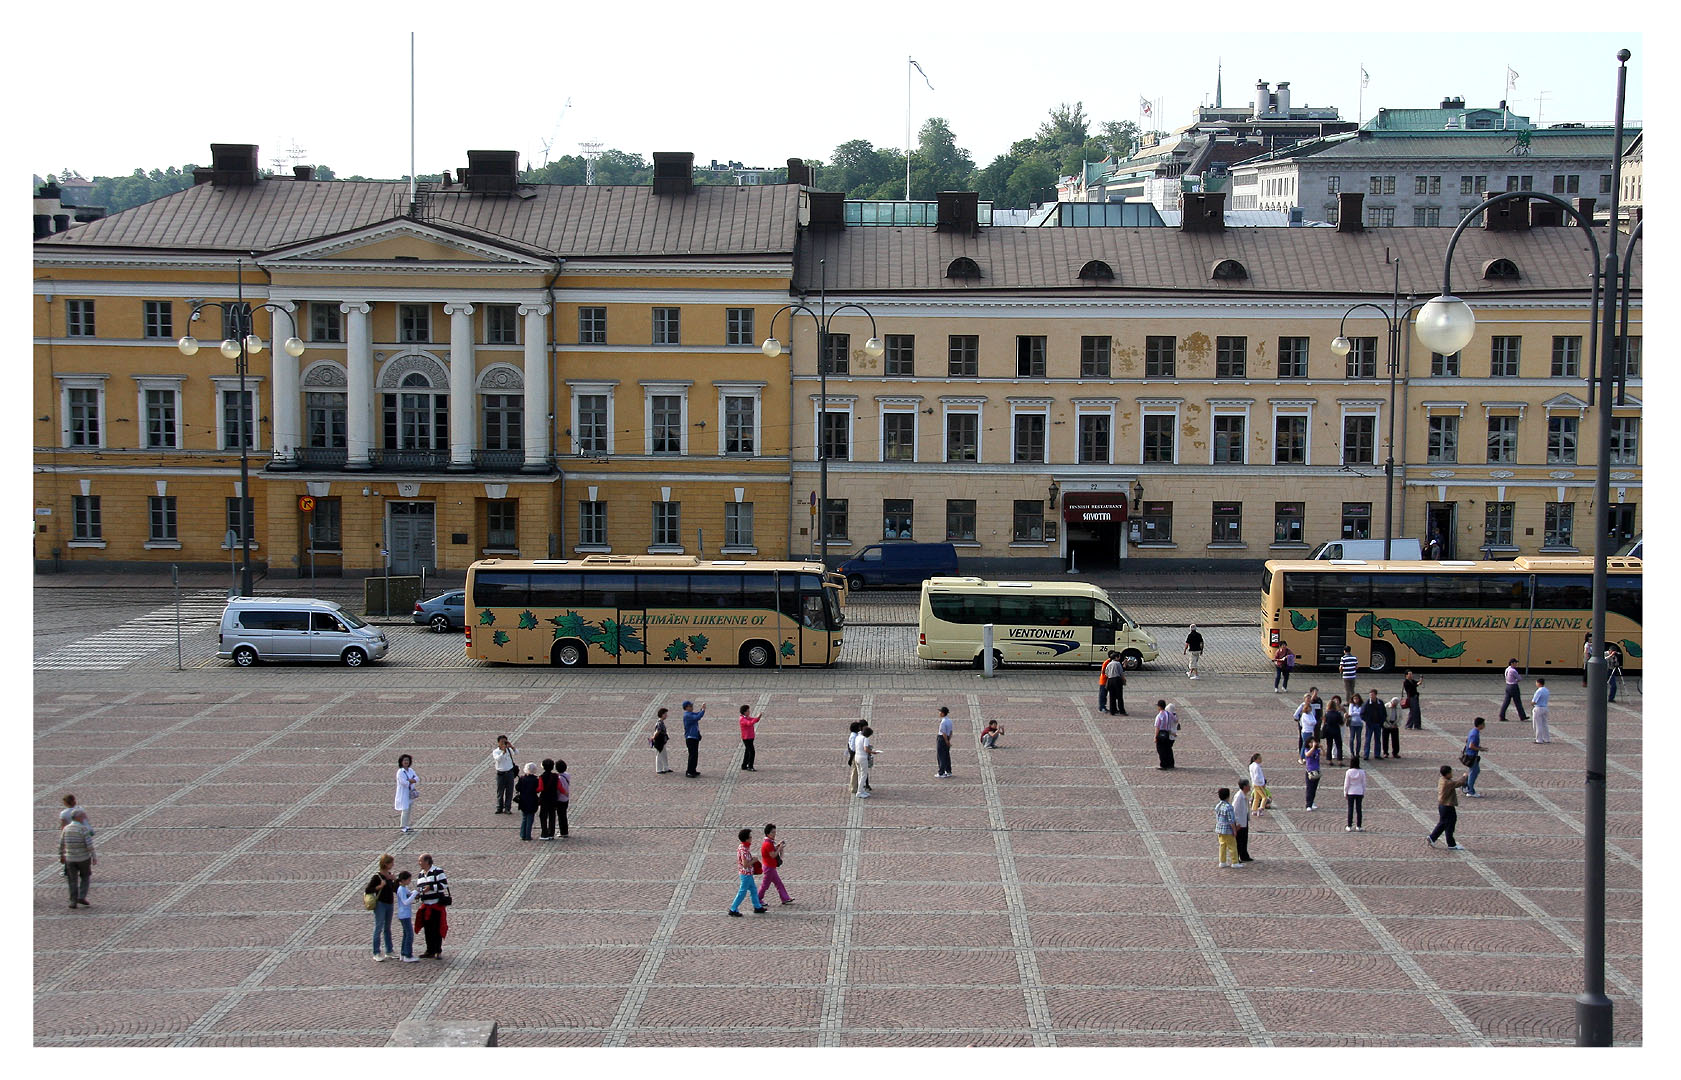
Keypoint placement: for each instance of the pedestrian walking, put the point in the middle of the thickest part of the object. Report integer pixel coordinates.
(990, 734)
(408, 790)
(1240, 810)
(548, 799)
(69, 812)
(1375, 716)
(942, 745)
(1587, 654)
(1391, 741)
(1538, 707)
(1472, 757)
(1262, 794)
(1310, 764)
(1348, 665)
(1415, 713)
(770, 859)
(748, 724)
(691, 735)
(865, 759)
(1307, 723)
(1354, 790)
(1514, 695)
(1166, 726)
(76, 855)
(1193, 652)
(745, 866)
(1283, 662)
(1225, 829)
(852, 741)
(383, 888)
(1330, 729)
(406, 898)
(433, 886)
(1447, 806)
(1613, 670)
(658, 741)
(507, 770)
(525, 795)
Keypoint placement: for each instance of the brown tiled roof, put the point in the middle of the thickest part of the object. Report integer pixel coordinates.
(555, 220)
(1311, 262)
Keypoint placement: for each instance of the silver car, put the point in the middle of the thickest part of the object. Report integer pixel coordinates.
(279, 628)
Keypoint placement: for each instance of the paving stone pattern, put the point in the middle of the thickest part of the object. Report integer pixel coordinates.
(1059, 890)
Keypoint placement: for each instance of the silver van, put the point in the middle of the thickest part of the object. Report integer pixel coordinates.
(279, 628)
(1405, 549)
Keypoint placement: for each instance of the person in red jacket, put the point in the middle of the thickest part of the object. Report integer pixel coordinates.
(748, 723)
(770, 858)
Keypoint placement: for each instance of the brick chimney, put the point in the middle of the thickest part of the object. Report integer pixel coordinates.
(674, 173)
(1351, 211)
(1584, 206)
(956, 212)
(799, 172)
(1511, 216)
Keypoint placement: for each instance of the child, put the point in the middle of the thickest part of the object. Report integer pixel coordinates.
(1354, 790)
(1258, 781)
(405, 915)
(1225, 829)
(989, 734)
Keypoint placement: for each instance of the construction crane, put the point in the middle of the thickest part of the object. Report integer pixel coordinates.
(548, 142)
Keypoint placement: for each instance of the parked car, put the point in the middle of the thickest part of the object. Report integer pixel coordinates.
(444, 612)
(1401, 549)
(899, 564)
(284, 628)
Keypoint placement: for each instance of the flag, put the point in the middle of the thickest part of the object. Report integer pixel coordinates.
(1365, 79)
(1511, 80)
(1144, 107)
(919, 71)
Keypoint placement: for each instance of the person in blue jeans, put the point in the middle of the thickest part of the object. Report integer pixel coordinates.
(1474, 751)
(1283, 662)
(1374, 715)
(1356, 723)
(383, 886)
(526, 797)
(405, 897)
(749, 890)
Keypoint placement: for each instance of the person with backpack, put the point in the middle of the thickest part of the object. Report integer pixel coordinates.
(548, 799)
(433, 887)
(525, 795)
(382, 888)
(770, 860)
(746, 867)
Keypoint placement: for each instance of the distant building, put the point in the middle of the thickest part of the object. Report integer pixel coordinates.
(1631, 202)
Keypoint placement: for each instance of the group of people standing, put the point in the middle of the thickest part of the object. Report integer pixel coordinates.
(692, 717)
(421, 901)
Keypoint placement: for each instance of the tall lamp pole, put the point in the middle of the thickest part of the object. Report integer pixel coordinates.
(1445, 326)
(873, 348)
(240, 346)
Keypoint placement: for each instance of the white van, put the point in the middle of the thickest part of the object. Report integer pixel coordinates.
(281, 628)
(1401, 550)
(1044, 622)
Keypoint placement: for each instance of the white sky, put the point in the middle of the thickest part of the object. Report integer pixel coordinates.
(753, 83)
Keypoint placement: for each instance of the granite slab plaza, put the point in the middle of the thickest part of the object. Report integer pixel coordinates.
(1057, 891)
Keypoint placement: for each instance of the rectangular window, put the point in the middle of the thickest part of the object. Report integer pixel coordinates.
(1444, 366)
(1381, 185)
(502, 524)
(78, 318)
(834, 519)
(1030, 437)
(1362, 358)
(1359, 439)
(1561, 440)
(414, 323)
(738, 524)
(739, 422)
(1094, 439)
(84, 409)
(1504, 353)
(1520, 182)
(668, 329)
(1230, 432)
(1333, 184)
(85, 523)
(836, 437)
(898, 436)
(240, 527)
(160, 319)
(236, 321)
(501, 324)
(326, 521)
(666, 412)
(963, 354)
(1292, 357)
(1567, 357)
(1289, 446)
(592, 326)
(238, 418)
(960, 519)
(1155, 524)
(1631, 359)
(668, 524)
(1625, 440)
(1497, 524)
(901, 354)
(738, 326)
(1427, 216)
(1357, 521)
(1230, 357)
(962, 436)
(326, 418)
(1094, 356)
(161, 515)
(1228, 523)
(1380, 217)
(1502, 440)
(1605, 183)
(504, 422)
(161, 428)
(592, 523)
(326, 321)
(1158, 437)
(1030, 356)
(1427, 185)
(1443, 445)
(837, 350)
(1029, 521)
(1567, 184)
(1473, 185)
(1158, 357)
(1287, 522)
(1560, 525)
(896, 515)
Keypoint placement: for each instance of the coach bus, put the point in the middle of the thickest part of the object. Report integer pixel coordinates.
(1036, 622)
(652, 611)
(1449, 615)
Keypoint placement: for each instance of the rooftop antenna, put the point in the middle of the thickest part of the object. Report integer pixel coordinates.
(548, 142)
(411, 118)
(1540, 100)
(591, 150)
(285, 159)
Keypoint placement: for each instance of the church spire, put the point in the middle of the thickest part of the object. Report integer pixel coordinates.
(1217, 84)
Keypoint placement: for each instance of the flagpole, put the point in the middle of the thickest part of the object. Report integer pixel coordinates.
(908, 62)
(1360, 98)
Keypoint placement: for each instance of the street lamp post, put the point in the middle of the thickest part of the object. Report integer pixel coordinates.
(1445, 326)
(240, 347)
(873, 348)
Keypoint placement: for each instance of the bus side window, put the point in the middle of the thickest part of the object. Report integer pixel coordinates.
(500, 588)
(1104, 615)
(1505, 591)
(1079, 610)
(1622, 595)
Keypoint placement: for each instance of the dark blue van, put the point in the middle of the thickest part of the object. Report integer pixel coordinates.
(899, 564)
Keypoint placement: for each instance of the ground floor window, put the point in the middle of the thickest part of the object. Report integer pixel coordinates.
(592, 523)
(161, 511)
(1287, 522)
(502, 524)
(834, 519)
(1228, 523)
(85, 520)
(960, 519)
(1560, 525)
(1357, 521)
(1029, 520)
(1497, 524)
(738, 524)
(896, 519)
(1155, 524)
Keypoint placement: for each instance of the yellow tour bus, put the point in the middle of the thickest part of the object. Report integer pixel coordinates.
(1035, 622)
(1447, 615)
(652, 611)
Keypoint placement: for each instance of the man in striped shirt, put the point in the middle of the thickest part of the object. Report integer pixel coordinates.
(1349, 666)
(75, 852)
(433, 887)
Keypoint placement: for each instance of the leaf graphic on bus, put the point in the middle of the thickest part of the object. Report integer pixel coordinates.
(487, 617)
(1302, 622)
(574, 625)
(677, 650)
(787, 648)
(527, 621)
(1630, 647)
(618, 637)
(1420, 639)
(699, 642)
(500, 637)
(1364, 626)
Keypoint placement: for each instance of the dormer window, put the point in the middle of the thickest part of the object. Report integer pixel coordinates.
(1230, 270)
(963, 268)
(1501, 270)
(1097, 270)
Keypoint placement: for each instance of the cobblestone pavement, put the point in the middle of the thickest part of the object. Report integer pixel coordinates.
(1059, 890)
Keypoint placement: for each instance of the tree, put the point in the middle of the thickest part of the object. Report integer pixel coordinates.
(1066, 127)
(1118, 137)
(939, 164)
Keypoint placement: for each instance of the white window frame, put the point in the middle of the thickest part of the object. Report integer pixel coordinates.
(580, 388)
(1040, 407)
(753, 390)
(145, 384)
(1159, 407)
(67, 383)
(973, 406)
(513, 310)
(253, 388)
(840, 404)
(1217, 408)
(652, 390)
(900, 406)
(751, 547)
(1374, 409)
(1292, 408)
(402, 310)
(1083, 409)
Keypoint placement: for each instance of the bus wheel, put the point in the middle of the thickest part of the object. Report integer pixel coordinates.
(1132, 660)
(757, 654)
(569, 654)
(1382, 659)
(854, 583)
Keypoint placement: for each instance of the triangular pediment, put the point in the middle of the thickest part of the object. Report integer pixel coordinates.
(1564, 401)
(406, 242)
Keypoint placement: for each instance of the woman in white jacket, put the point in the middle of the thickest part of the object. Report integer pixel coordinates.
(408, 790)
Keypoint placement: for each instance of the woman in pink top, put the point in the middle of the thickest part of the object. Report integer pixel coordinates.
(1354, 790)
(747, 725)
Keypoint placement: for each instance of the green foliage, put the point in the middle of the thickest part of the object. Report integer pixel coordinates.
(677, 650)
(527, 621)
(1631, 648)
(1302, 622)
(1414, 635)
(618, 637)
(487, 617)
(787, 649)
(500, 637)
(699, 642)
(573, 625)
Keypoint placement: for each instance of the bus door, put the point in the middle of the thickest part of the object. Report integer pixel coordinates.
(1336, 629)
(1103, 622)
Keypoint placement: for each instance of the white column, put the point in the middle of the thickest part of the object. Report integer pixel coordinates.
(536, 386)
(286, 430)
(463, 408)
(359, 397)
